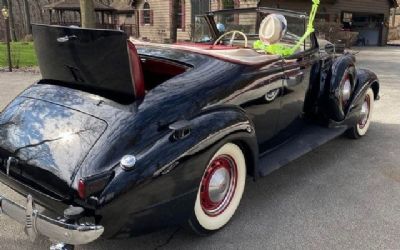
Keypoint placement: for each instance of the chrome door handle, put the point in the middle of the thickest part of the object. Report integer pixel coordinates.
(65, 39)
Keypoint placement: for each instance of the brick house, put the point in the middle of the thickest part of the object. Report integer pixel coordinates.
(155, 16)
(395, 16)
(367, 19)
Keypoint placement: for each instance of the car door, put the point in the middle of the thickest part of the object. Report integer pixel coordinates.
(260, 86)
(297, 73)
(261, 99)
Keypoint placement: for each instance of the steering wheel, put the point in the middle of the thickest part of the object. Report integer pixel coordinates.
(233, 32)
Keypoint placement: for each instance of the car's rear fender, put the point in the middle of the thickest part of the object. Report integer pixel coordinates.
(173, 168)
(165, 154)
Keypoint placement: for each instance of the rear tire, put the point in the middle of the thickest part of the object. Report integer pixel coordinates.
(362, 126)
(220, 191)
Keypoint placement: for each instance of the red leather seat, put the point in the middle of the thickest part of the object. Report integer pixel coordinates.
(136, 71)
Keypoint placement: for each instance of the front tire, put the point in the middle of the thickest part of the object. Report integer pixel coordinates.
(220, 191)
(362, 126)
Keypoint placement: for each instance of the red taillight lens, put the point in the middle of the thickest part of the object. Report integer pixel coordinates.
(82, 189)
(93, 185)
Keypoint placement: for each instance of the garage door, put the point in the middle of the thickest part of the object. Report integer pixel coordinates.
(369, 27)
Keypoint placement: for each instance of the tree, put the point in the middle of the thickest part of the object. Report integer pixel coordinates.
(7, 23)
(22, 18)
(12, 21)
(88, 15)
(174, 21)
(39, 10)
(28, 25)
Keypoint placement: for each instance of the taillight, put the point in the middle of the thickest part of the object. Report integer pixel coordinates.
(82, 189)
(93, 185)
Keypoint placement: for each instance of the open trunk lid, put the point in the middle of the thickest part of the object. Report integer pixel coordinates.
(48, 131)
(90, 59)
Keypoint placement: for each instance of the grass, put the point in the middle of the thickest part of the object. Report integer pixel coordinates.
(22, 55)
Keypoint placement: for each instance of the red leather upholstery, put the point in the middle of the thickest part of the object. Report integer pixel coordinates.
(136, 71)
(162, 67)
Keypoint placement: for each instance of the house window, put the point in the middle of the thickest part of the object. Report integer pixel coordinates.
(228, 4)
(323, 17)
(347, 17)
(146, 13)
(181, 14)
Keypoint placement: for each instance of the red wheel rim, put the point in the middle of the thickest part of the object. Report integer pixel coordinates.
(365, 112)
(218, 185)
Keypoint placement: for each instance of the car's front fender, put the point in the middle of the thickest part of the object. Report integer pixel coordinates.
(365, 79)
(342, 66)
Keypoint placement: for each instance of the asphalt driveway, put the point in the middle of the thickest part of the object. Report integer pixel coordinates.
(344, 195)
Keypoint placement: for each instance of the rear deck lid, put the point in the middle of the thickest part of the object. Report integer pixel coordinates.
(84, 58)
(49, 142)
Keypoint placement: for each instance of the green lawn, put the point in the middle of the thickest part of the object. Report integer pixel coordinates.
(22, 55)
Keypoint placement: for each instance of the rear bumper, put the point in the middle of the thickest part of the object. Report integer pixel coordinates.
(57, 230)
(50, 202)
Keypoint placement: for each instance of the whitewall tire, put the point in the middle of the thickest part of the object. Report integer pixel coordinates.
(220, 190)
(362, 126)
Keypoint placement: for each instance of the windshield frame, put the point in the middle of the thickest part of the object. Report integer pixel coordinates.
(216, 33)
(261, 10)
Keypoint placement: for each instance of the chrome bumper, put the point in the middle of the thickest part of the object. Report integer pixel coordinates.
(36, 223)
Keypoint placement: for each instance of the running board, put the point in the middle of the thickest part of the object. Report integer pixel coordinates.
(311, 137)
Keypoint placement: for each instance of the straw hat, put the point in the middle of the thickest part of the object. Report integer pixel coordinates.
(272, 28)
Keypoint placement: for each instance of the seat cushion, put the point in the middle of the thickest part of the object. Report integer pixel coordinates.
(136, 71)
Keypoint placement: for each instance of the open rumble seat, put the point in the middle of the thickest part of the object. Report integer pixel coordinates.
(148, 72)
(136, 70)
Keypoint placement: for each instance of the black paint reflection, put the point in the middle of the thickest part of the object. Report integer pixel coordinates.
(49, 140)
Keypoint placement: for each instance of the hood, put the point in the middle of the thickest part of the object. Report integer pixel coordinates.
(84, 58)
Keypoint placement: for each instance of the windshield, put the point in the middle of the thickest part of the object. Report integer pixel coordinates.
(244, 22)
(248, 22)
(202, 30)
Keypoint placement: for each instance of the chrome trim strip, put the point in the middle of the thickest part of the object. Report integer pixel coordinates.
(36, 223)
(209, 140)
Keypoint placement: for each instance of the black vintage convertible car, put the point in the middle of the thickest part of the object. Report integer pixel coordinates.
(123, 137)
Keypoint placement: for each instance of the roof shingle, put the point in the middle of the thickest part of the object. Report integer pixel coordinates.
(74, 5)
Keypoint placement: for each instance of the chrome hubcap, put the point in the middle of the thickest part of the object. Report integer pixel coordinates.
(218, 185)
(270, 96)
